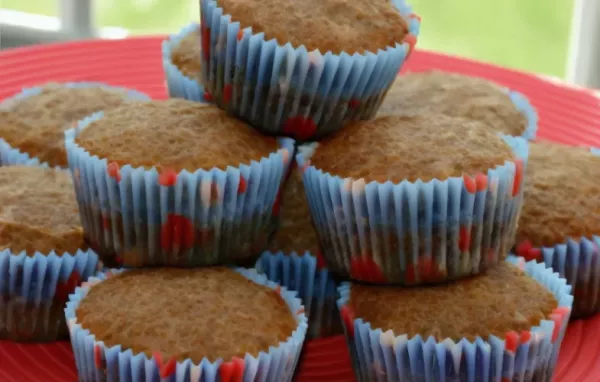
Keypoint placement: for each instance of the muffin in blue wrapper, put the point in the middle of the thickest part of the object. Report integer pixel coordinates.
(153, 355)
(33, 122)
(42, 253)
(181, 63)
(560, 220)
(303, 69)
(316, 286)
(168, 187)
(400, 200)
(503, 110)
(512, 349)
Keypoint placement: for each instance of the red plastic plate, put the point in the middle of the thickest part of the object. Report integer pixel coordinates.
(567, 115)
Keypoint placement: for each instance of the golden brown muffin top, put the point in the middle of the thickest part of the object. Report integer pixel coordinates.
(326, 25)
(176, 135)
(562, 195)
(186, 55)
(296, 232)
(186, 313)
(38, 211)
(503, 300)
(416, 94)
(397, 148)
(36, 125)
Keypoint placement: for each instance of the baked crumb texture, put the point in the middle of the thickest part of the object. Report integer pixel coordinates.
(316, 286)
(206, 198)
(240, 325)
(33, 123)
(181, 64)
(286, 78)
(42, 253)
(506, 325)
(560, 219)
(373, 226)
(434, 92)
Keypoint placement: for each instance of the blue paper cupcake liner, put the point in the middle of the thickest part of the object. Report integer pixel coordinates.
(206, 217)
(315, 286)
(380, 355)
(34, 289)
(524, 106)
(416, 232)
(286, 90)
(12, 156)
(178, 84)
(96, 361)
(576, 260)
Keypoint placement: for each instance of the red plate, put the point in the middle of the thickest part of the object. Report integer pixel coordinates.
(567, 115)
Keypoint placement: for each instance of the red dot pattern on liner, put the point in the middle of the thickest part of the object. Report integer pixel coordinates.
(513, 339)
(64, 289)
(99, 360)
(427, 269)
(464, 240)
(353, 104)
(177, 232)
(232, 371)
(475, 184)
(321, 263)
(114, 171)
(208, 97)
(240, 35)
(518, 177)
(558, 315)
(243, 186)
(227, 93)
(348, 317)
(106, 222)
(526, 250)
(366, 269)
(205, 35)
(165, 370)
(167, 178)
(300, 127)
(411, 40)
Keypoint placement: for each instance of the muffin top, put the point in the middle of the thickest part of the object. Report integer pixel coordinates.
(148, 310)
(186, 55)
(397, 148)
(416, 94)
(36, 125)
(503, 300)
(326, 25)
(296, 232)
(562, 195)
(174, 134)
(38, 211)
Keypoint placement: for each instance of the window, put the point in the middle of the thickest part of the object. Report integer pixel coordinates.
(560, 38)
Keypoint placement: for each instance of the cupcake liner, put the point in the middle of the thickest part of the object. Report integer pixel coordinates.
(134, 217)
(380, 355)
(178, 84)
(524, 106)
(315, 285)
(34, 288)
(416, 232)
(286, 90)
(95, 361)
(578, 261)
(10, 156)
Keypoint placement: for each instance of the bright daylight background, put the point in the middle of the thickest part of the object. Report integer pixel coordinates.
(530, 35)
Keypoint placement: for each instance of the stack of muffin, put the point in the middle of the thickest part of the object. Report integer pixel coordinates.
(355, 202)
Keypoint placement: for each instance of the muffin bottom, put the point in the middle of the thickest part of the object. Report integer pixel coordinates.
(28, 321)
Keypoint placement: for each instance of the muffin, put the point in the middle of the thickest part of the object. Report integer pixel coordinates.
(160, 183)
(33, 123)
(295, 261)
(507, 324)
(43, 256)
(181, 63)
(502, 110)
(303, 68)
(414, 200)
(140, 322)
(560, 219)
